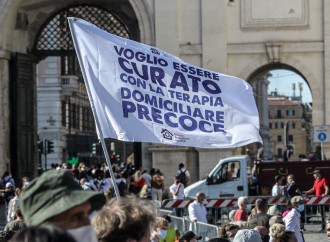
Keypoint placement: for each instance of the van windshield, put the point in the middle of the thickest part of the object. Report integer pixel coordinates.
(229, 171)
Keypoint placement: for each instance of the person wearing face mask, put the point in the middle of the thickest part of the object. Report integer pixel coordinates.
(320, 188)
(197, 210)
(243, 207)
(197, 213)
(292, 219)
(172, 235)
(160, 231)
(56, 197)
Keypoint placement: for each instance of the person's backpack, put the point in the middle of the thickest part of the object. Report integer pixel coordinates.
(122, 187)
(182, 177)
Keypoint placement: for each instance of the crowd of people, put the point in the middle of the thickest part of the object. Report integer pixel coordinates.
(79, 204)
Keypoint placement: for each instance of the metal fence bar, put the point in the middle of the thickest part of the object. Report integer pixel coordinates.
(311, 215)
(207, 231)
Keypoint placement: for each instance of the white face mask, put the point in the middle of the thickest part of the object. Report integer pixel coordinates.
(84, 234)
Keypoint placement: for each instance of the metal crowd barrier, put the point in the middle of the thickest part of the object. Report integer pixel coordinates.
(317, 209)
(162, 212)
(207, 231)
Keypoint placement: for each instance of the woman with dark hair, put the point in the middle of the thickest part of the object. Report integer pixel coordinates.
(228, 230)
(157, 185)
(45, 233)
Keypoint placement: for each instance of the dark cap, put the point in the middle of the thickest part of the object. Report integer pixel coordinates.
(189, 235)
(53, 193)
(316, 171)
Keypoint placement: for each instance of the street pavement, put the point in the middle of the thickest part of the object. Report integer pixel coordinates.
(311, 234)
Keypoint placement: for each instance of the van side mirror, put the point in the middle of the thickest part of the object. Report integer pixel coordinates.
(208, 179)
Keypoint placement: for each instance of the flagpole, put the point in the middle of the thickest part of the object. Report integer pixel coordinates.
(105, 151)
(98, 126)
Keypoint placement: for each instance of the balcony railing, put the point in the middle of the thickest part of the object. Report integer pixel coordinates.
(66, 83)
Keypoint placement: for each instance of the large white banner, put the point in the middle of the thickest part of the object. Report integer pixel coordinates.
(141, 93)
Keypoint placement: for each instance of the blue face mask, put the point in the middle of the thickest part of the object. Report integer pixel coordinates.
(301, 207)
(162, 234)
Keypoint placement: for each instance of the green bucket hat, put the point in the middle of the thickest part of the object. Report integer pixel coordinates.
(52, 193)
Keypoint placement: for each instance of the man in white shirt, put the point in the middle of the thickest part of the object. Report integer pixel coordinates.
(177, 191)
(292, 219)
(197, 210)
(198, 213)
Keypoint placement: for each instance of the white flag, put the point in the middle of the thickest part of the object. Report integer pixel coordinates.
(141, 93)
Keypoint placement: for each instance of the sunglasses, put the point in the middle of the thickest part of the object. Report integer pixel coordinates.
(230, 227)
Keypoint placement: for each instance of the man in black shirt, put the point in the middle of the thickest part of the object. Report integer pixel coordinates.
(292, 187)
(261, 218)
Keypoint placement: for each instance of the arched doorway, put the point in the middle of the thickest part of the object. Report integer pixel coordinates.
(63, 116)
(285, 113)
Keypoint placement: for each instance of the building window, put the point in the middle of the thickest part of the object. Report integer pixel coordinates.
(73, 116)
(279, 114)
(279, 152)
(279, 138)
(290, 112)
(279, 125)
(290, 137)
(63, 107)
(291, 125)
(78, 117)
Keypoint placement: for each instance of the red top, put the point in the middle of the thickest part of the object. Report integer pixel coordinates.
(240, 215)
(319, 186)
(139, 183)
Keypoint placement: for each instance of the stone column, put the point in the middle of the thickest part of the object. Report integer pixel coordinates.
(260, 86)
(167, 158)
(4, 111)
(326, 80)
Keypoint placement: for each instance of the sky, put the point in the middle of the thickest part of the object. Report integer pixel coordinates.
(283, 80)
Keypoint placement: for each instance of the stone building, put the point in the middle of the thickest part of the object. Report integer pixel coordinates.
(290, 125)
(242, 38)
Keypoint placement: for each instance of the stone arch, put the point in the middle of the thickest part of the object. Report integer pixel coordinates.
(258, 64)
(146, 22)
(42, 19)
(256, 74)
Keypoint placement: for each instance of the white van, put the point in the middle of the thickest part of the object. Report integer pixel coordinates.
(230, 178)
